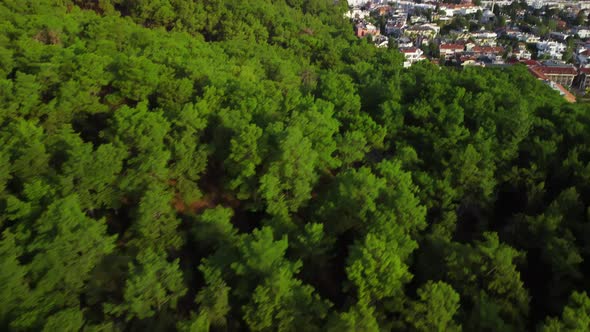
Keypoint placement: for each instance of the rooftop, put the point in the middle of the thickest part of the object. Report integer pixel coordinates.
(488, 49)
(557, 70)
(451, 46)
(566, 94)
(538, 74)
(408, 49)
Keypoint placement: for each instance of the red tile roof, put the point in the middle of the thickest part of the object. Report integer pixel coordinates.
(451, 47)
(488, 49)
(566, 94)
(585, 70)
(530, 62)
(537, 73)
(408, 50)
(557, 70)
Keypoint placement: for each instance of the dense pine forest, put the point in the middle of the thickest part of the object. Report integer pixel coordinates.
(231, 165)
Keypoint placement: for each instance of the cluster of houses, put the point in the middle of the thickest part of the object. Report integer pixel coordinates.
(411, 34)
(415, 29)
(558, 74)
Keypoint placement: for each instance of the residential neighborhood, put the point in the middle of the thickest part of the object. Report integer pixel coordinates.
(551, 38)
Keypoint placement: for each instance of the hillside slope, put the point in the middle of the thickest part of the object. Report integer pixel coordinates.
(250, 165)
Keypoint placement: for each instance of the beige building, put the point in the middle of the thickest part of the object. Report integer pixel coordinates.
(563, 75)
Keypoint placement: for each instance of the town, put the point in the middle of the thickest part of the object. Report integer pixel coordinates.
(551, 38)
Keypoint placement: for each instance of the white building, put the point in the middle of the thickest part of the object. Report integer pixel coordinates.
(381, 41)
(412, 55)
(357, 13)
(522, 54)
(583, 32)
(396, 23)
(424, 30)
(467, 10)
(485, 38)
(359, 3)
(529, 38)
(450, 50)
(537, 4)
(484, 35)
(499, 3)
(459, 9)
(550, 48)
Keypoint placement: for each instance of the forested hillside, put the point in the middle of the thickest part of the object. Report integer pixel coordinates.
(233, 165)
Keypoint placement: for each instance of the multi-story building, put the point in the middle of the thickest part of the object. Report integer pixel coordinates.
(486, 38)
(424, 30)
(357, 2)
(364, 29)
(521, 53)
(563, 74)
(583, 79)
(582, 32)
(459, 9)
(498, 3)
(450, 50)
(529, 38)
(550, 48)
(412, 55)
(491, 52)
(396, 23)
(357, 13)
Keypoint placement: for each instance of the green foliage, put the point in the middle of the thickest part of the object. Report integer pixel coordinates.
(67, 247)
(262, 254)
(359, 318)
(142, 134)
(213, 228)
(376, 269)
(196, 324)
(154, 285)
(437, 304)
(487, 274)
(12, 275)
(288, 182)
(91, 174)
(65, 320)
(243, 160)
(155, 221)
(575, 316)
(282, 302)
(214, 298)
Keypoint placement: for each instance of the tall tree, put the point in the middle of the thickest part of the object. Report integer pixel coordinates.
(65, 247)
(434, 310)
(575, 316)
(154, 285)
